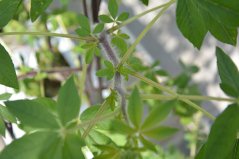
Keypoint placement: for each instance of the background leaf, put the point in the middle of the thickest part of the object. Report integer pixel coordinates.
(38, 7)
(8, 75)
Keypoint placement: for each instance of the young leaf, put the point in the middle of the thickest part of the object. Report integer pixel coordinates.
(123, 16)
(32, 113)
(8, 75)
(228, 73)
(113, 8)
(159, 133)
(38, 7)
(223, 134)
(135, 108)
(7, 11)
(158, 114)
(105, 19)
(99, 28)
(27, 147)
(68, 103)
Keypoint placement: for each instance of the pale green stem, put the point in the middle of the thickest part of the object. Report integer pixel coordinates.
(141, 35)
(70, 36)
(132, 19)
(190, 97)
(171, 92)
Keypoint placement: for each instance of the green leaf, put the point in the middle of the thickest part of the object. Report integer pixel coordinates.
(8, 75)
(32, 113)
(195, 18)
(5, 96)
(84, 23)
(99, 28)
(120, 127)
(68, 103)
(2, 127)
(147, 144)
(105, 19)
(113, 8)
(27, 147)
(38, 7)
(120, 44)
(135, 108)
(228, 73)
(107, 72)
(223, 134)
(7, 11)
(145, 2)
(89, 55)
(159, 113)
(123, 16)
(72, 147)
(159, 133)
(82, 32)
(6, 115)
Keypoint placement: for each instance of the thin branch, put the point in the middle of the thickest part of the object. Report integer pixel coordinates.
(85, 8)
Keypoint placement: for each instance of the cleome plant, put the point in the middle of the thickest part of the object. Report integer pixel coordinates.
(111, 104)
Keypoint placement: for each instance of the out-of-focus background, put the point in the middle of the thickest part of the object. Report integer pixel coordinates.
(164, 42)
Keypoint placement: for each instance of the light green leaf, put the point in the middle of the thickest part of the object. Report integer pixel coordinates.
(89, 55)
(82, 32)
(72, 147)
(223, 134)
(159, 133)
(159, 113)
(8, 9)
(120, 44)
(113, 8)
(27, 147)
(8, 75)
(135, 108)
(228, 73)
(120, 127)
(38, 7)
(32, 113)
(107, 72)
(195, 18)
(147, 144)
(123, 16)
(2, 127)
(99, 28)
(84, 23)
(68, 103)
(5, 96)
(6, 115)
(105, 19)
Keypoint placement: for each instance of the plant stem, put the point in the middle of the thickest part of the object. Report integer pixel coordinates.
(70, 36)
(189, 97)
(172, 93)
(130, 20)
(142, 34)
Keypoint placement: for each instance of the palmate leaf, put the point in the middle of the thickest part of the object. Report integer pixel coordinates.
(228, 73)
(68, 102)
(38, 7)
(196, 17)
(223, 135)
(8, 75)
(8, 10)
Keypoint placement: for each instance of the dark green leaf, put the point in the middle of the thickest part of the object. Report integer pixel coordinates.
(82, 32)
(2, 127)
(135, 108)
(5, 96)
(159, 133)
(105, 19)
(38, 7)
(123, 16)
(8, 9)
(32, 113)
(68, 103)
(8, 76)
(223, 134)
(27, 147)
(99, 28)
(195, 18)
(228, 73)
(145, 2)
(159, 113)
(72, 147)
(113, 8)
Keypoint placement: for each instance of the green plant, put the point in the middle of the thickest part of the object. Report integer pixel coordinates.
(115, 126)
